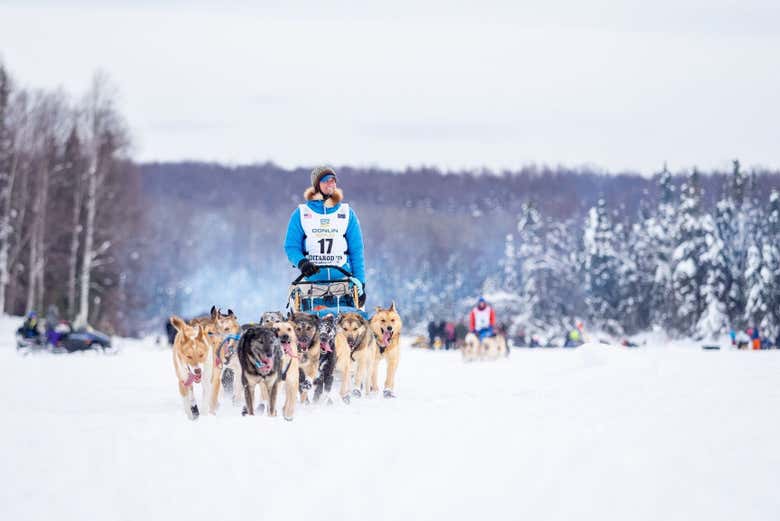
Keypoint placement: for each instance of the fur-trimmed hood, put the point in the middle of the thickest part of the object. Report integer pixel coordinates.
(333, 200)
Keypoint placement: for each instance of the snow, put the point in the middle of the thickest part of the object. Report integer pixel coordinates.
(665, 431)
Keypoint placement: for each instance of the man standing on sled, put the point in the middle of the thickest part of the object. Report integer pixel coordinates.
(324, 231)
(482, 320)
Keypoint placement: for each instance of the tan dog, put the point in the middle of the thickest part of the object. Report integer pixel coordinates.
(223, 332)
(386, 325)
(308, 341)
(291, 361)
(193, 361)
(471, 348)
(493, 347)
(361, 351)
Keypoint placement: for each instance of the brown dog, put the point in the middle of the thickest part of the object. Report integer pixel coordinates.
(223, 333)
(265, 356)
(193, 361)
(308, 339)
(386, 327)
(360, 341)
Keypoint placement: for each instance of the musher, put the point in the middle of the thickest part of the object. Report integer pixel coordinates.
(482, 320)
(325, 231)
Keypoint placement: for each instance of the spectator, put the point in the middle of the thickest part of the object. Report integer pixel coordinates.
(30, 326)
(460, 333)
(755, 337)
(449, 336)
(431, 333)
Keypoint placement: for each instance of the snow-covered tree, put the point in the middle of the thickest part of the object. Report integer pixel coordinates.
(660, 228)
(509, 264)
(601, 267)
(688, 268)
(714, 319)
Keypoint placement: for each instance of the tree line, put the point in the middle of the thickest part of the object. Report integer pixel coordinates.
(122, 245)
(67, 201)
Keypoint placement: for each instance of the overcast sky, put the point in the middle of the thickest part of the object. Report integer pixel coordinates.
(613, 84)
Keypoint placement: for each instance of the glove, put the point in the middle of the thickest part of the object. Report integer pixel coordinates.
(362, 297)
(361, 291)
(360, 285)
(307, 267)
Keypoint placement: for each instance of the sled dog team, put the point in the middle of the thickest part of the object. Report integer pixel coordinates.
(490, 348)
(299, 352)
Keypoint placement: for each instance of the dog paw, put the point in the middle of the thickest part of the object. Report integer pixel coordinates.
(388, 394)
(345, 399)
(244, 411)
(288, 418)
(194, 412)
(305, 384)
(356, 393)
(329, 401)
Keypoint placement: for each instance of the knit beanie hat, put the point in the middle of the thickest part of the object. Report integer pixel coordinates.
(318, 173)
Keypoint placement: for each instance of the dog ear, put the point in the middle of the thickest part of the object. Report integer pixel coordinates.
(177, 323)
(290, 316)
(201, 332)
(230, 313)
(378, 309)
(214, 312)
(392, 306)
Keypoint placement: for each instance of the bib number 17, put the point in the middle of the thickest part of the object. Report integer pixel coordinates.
(322, 243)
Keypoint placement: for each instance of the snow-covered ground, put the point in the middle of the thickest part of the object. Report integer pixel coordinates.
(600, 432)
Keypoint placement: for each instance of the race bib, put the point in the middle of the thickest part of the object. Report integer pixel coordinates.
(326, 241)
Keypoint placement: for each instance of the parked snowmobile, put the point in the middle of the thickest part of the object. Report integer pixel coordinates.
(68, 341)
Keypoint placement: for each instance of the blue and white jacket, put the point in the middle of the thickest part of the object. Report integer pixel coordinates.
(294, 240)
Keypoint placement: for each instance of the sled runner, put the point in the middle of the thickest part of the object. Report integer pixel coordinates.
(323, 297)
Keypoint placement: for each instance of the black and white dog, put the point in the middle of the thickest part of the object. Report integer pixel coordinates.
(324, 380)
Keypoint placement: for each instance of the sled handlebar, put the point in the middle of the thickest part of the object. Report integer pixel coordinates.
(326, 266)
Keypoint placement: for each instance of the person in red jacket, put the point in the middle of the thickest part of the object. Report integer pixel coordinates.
(482, 319)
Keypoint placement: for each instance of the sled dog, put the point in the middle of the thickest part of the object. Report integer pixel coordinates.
(471, 348)
(493, 347)
(332, 346)
(193, 362)
(222, 331)
(386, 328)
(360, 342)
(307, 332)
(262, 352)
(269, 318)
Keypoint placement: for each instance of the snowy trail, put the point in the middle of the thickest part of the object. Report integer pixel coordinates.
(594, 433)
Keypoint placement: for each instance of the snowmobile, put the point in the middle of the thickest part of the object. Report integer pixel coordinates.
(323, 297)
(68, 342)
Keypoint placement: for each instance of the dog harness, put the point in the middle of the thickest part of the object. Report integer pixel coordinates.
(325, 235)
(231, 350)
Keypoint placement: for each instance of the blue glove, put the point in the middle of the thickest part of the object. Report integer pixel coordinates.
(357, 283)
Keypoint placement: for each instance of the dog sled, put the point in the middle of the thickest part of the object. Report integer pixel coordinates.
(325, 297)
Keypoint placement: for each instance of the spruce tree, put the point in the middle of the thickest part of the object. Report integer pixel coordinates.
(601, 270)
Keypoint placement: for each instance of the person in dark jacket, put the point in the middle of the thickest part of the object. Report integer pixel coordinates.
(431, 333)
(460, 334)
(30, 326)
